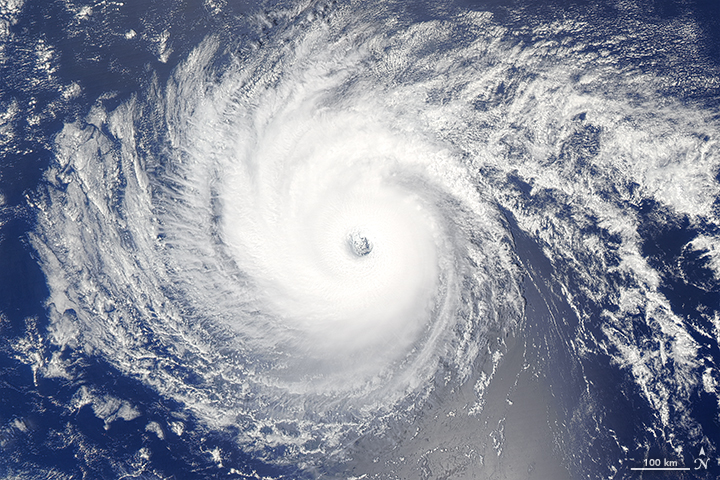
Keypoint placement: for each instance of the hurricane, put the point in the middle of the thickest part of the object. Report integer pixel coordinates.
(355, 241)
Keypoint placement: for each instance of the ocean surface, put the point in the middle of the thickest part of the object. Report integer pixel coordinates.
(359, 239)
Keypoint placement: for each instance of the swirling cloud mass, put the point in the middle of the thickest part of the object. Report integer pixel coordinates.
(306, 237)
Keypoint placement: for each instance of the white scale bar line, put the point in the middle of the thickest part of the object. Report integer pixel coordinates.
(660, 468)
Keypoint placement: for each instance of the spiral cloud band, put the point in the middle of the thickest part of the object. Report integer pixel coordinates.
(304, 237)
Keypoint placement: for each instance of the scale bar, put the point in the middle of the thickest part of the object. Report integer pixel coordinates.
(660, 468)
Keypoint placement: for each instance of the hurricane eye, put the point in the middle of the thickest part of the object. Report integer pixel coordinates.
(359, 244)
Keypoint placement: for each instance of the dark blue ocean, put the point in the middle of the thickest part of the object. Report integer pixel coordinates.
(603, 349)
